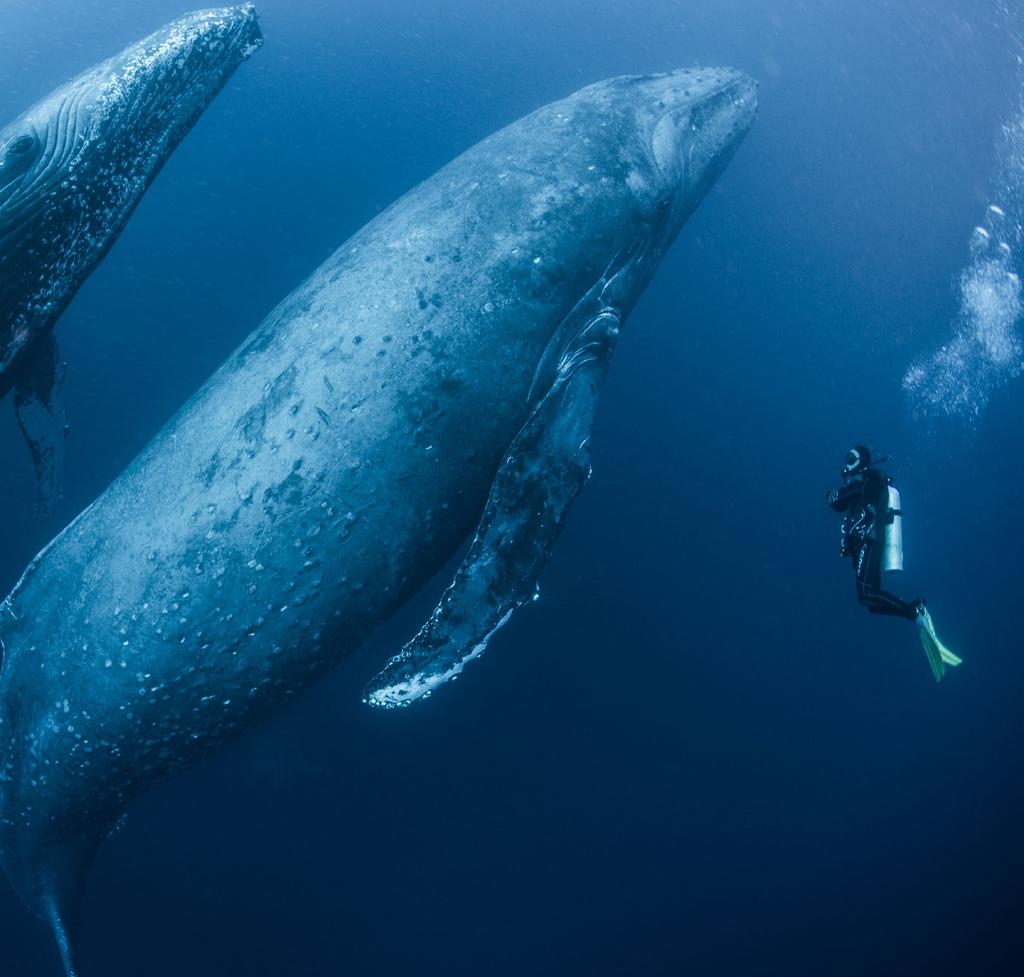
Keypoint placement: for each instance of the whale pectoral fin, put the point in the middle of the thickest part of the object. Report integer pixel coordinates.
(39, 404)
(542, 473)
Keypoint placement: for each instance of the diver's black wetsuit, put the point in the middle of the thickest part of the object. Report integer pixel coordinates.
(864, 502)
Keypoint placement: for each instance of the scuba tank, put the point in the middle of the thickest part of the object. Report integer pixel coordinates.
(892, 538)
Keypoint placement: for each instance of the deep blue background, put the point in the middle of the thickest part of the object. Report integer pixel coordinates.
(696, 754)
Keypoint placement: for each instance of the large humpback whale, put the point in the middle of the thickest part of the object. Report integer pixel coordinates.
(72, 169)
(443, 363)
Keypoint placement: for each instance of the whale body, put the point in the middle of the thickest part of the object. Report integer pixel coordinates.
(439, 371)
(72, 169)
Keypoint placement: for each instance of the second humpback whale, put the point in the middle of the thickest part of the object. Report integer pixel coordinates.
(443, 363)
(72, 169)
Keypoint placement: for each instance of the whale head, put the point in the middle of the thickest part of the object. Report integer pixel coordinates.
(73, 167)
(693, 120)
(617, 169)
(677, 132)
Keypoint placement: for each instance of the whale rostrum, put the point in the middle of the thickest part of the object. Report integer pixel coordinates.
(72, 169)
(439, 372)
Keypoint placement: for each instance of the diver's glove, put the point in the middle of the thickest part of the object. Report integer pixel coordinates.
(832, 497)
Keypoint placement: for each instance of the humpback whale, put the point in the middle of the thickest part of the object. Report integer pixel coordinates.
(439, 372)
(72, 169)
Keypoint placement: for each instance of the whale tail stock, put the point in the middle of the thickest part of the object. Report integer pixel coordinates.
(63, 892)
(63, 938)
(52, 885)
(63, 885)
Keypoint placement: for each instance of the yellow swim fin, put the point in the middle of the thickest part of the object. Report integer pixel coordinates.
(939, 656)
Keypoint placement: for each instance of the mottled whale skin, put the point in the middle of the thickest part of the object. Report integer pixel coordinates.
(72, 169)
(442, 363)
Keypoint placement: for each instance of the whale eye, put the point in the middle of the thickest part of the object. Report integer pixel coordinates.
(18, 159)
(22, 146)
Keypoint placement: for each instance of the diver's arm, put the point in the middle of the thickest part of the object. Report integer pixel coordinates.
(841, 498)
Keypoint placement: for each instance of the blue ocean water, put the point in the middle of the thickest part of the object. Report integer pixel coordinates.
(695, 754)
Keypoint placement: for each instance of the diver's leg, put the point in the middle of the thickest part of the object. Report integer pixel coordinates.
(867, 563)
(869, 587)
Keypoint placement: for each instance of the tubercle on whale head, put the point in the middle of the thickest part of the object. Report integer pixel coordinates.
(160, 85)
(696, 119)
(684, 128)
(187, 54)
(75, 165)
(102, 137)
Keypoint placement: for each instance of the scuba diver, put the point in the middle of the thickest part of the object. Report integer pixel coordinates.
(872, 536)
